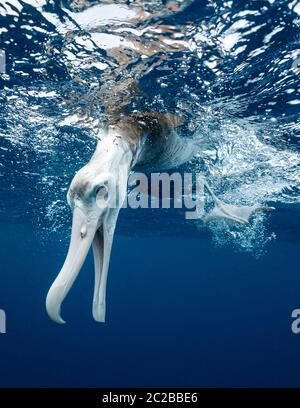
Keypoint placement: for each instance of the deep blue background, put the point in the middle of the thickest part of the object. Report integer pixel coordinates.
(180, 312)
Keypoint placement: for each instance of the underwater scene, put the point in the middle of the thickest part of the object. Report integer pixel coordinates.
(149, 193)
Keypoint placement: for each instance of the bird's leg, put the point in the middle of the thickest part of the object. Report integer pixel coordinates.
(231, 212)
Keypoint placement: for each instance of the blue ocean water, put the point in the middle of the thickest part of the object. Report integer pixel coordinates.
(187, 304)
